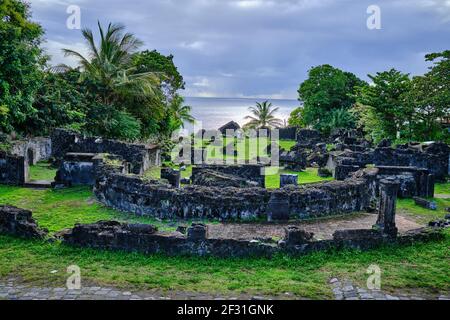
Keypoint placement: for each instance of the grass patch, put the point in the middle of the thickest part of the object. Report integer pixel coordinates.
(421, 266)
(407, 206)
(42, 171)
(308, 176)
(60, 209)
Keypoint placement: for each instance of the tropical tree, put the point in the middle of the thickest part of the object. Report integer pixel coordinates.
(327, 89)
(153, 61)
(109, 65)
(181, 112)
(21, 61)
(119, 89)
(263, 116)
(386, 99)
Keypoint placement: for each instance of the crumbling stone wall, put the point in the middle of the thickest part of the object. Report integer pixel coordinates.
(140, 156)
(208, 178)
(132, 194)
(19, 222)
(434, 157)
(248, 172)
(33, 150)
(76, 169)
(13, 169)
(147, 239)
(307, 138)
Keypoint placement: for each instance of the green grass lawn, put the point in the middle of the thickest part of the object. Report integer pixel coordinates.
(60, 209)
(423, 266)
(408, 206)
(42, 171)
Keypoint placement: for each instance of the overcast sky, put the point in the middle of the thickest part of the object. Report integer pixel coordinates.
(262, 48)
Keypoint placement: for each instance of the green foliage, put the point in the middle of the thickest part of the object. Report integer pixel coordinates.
(62, 101)
(328, 89)
(106, 122)
(396, 107)
(153, 61)
(386, 98)
(429, 96)
(42, 171)
(340, 118)
(297, 118)
(20, 60)
(116, 84)
(263, 116)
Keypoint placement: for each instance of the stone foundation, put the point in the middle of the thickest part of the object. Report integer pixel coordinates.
(111, 235)
(19, 222)
(247, 172)
(434, 157)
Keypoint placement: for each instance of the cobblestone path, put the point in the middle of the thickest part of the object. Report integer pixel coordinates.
(345, 290)
(12, 289)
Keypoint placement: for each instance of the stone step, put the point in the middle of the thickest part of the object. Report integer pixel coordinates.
(38, 184)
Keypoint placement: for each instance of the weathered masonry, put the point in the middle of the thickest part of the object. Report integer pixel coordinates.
(133, 194)
(139, 156)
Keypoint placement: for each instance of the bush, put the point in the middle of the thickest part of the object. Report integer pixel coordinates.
(107, 122)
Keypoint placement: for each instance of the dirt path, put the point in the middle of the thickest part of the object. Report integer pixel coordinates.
(323, 229)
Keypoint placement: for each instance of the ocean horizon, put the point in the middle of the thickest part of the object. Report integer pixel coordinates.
(213, 113)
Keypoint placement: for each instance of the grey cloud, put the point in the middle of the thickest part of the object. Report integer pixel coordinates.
(264, 47)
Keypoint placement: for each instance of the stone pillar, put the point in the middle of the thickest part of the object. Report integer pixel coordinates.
(173, 176)
(288, 179)
(430, 186)
(198, 231)
(278, 207)
(387, 207)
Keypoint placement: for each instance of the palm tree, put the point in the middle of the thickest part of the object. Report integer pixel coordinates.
(109, 65)
(263, 116)
(181, 112)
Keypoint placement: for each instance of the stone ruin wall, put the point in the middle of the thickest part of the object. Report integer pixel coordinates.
(249, 172)
(13, 169)
(437, 163)
(33, 150)
(14, 165)
(138, 155)
(133, 194)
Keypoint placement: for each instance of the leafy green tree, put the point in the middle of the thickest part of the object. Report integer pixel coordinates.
(152, 110)
(386, 98)
(327, 89)
(61, 101)
(153, 61)
(429, 96)
(263, 116)
(297, 118)
(20, 65)
(367, 121)
(109, 123)
(341, 118)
